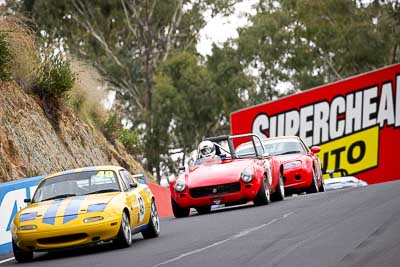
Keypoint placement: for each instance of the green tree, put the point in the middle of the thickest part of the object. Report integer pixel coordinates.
(193, 101)
(232, 84)
(127, 41)
(310, 43)
(185, 109)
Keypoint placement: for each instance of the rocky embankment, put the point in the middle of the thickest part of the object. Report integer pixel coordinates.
(37, 138)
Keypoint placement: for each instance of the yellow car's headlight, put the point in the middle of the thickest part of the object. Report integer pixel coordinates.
(93, 219)
(27, 227)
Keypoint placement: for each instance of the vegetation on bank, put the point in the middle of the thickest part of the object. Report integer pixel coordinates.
(58, 80)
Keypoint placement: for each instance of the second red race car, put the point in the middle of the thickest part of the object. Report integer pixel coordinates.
(295, 162)
(222, 176)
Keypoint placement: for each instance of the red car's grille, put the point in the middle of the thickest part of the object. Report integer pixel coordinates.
(215, 190)
(61, 239)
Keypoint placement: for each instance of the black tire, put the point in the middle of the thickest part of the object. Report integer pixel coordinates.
(124, 237)
(322, 187)
(279, 193)
(21, 255)
(178, 211)
(153, 228)
(314, 185)
(263, 196)
(203, 210)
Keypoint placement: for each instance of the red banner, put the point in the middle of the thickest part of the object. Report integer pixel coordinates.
(356, 122)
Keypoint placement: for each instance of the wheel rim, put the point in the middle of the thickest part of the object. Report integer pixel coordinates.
(315, 182)
(266, 189)
(126, 228)
(154, 217)
(282, 186)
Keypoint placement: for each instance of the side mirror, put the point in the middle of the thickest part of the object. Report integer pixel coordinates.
(315, 149)
(140, 178)
(181, 168)
(133, 185)
(27, 200)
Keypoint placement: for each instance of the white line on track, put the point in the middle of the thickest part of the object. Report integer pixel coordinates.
(7, 260)
(236, 236)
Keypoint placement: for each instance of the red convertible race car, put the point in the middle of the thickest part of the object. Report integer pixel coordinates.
(298, 164)
(220, 175)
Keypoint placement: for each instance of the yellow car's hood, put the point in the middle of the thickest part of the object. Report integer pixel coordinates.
(69, 208)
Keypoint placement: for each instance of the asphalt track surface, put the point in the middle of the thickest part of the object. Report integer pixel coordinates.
(351, 227)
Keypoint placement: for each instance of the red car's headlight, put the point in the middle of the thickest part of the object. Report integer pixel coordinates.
(291, 164)
(246, 176)
(180, 185)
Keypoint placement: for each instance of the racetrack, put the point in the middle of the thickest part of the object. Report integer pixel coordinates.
(352, 227)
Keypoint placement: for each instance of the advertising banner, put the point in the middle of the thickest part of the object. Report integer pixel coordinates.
(12, 195)
(355, 121)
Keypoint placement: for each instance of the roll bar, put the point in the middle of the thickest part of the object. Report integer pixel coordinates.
(230, 143)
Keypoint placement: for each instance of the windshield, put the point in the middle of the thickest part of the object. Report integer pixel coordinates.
(247, 150)
(283, 147)
(77, 184)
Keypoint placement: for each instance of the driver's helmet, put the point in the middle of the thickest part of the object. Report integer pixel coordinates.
(206, 149)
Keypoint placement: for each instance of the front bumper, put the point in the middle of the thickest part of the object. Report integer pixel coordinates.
(247, 192)
(37, 240)
(297, 177)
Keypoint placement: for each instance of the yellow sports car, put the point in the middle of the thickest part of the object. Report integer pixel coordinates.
(84, 206)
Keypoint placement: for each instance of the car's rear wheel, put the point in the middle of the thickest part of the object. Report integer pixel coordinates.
(178, 211)
(204, 210)
(263, 196)
(279, 193)
(153, 229)
(21, 255)
(314, 185)
(124, 237)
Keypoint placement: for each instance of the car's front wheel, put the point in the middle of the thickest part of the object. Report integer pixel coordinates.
(153, 229)
(322, 187)
(263, 196)
(21, 255)
(314, 184)
(124, 237)
(178, 211)
(279, 193)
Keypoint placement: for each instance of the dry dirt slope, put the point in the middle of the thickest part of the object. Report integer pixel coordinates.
(30, 144)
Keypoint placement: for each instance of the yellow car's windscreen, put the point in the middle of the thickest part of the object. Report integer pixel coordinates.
(77, 184)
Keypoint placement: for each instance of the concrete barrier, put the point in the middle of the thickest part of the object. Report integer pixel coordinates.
(12, 195)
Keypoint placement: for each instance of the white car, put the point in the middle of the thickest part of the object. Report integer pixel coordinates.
(343, 182)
